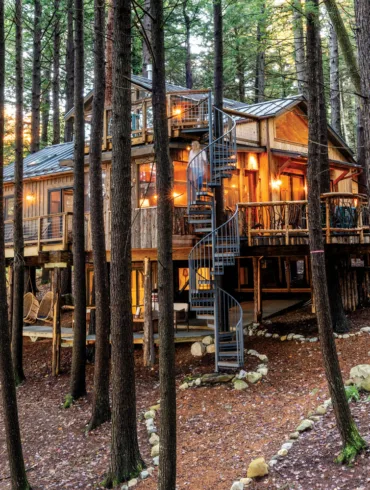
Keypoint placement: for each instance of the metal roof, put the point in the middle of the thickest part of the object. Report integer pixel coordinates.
(270, 108)
(44, 162)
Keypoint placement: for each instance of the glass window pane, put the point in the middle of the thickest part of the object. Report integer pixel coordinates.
(147, 185)
(9, 208)
(55, 202)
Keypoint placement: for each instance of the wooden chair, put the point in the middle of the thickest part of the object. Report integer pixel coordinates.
(46, 310)
(181, 315)
(30, 308)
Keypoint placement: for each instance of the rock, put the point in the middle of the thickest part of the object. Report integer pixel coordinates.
(262, 370)
(240, 385)
(216, 378)
(211, 349)
(237, 486)
(260, 333)
(298, 336)
(327, 403)
(155, 451)
(150, 470)
(283, 452)
(346, 336)
(246, 481)
(255, 325)
(242, 374)
(191, 384)
(365, 329)
(283, 338)
(314, 339)
(156, 461)
(360, 375)
(268, 335)
(272, 462)
(149, 415)
(294, 435)
(348, 382)
(335, 335)
(144, 474)
(253, 352)
(198, 349)
(132, 483)
(149, 423)
(184, 386)
(198, 382)
(262, 357)
(305, 425)
(287, 446)
(315, 418)
(155, 407)
(253, 377)
(154, 439)
(321, 410)
(208, 340)
(290, 336)
(152, 430)
(124, 487)
(257, 467)
(275, 336)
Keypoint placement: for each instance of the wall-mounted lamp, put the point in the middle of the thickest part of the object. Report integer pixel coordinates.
(275, 184)
(30, 197)
(252, 163)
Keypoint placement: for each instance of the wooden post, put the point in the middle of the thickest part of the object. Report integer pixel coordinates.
(286, 224)
(148, 345)
(11, 296)
(327, 208)
(249, 218)
(257, 296)
(287, 273)
(57, 337)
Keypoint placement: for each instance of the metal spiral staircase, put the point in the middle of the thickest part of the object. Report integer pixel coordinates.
(220, 245)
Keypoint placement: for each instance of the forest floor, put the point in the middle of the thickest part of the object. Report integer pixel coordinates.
(220, 430)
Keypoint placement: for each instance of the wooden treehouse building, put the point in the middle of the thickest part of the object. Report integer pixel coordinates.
(257, 155)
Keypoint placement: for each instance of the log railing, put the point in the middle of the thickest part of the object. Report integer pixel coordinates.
(51, 229)
(344, 217)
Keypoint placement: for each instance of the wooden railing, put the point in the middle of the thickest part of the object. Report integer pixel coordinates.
(344, 217)
(51, 229)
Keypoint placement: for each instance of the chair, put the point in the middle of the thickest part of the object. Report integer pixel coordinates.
(30, 308)
(46, 310)
(181, 314)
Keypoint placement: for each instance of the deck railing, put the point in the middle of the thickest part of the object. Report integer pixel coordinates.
(51, 229)
(344, 217)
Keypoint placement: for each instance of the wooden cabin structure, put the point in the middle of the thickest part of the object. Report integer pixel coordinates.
(265, 186)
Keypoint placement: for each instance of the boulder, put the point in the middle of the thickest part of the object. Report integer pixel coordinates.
(216, 378)
(283, 452)
(360, 375)
(287, 446)
(154, 439)
(246, 481)
(305, 425)
(276, 336)
(198, 349)
(155, 451)
(315, 418)
(240, 385)
(313, 339)
(321, 410)
(144, 474)
(242, 374)
(298, 336)
(283, 338)
(294, 435)
(208, 340)
(237, 486)
(262, 370)
(290, 336)
(184, 386)
(198, 382)
(272, 462)
(253, 352)
(365, 329)
(211, 349)
(155, 407)
(262, 357)
(253, 377)
(149, 415)
(132, 483)
(257, 467)
(268, 335)
(156, 460)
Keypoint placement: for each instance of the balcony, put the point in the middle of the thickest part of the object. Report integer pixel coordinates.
(344, 217)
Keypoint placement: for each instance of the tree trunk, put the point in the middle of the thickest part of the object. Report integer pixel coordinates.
(167, 436)
(259, 86)
(78, 381)
(68, 128)
(18, 279)
(240, 68)
(109, 56)
(362, 9)
(299, 47)
(36, 78)
(56, 75)
(334, 81)
(10, 421)
(361, 159)
(188, 67)
(147, 55)
(66, 281)
(148, 344)
(101, 408)
(45, 107)
(352, 441)
(126, 461)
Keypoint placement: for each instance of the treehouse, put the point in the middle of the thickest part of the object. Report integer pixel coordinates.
(257, 155)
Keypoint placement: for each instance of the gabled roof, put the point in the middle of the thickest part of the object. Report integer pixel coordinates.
(44, 162)
(271, 108)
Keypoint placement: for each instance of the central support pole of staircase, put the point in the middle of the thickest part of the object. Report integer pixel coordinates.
(257, 296)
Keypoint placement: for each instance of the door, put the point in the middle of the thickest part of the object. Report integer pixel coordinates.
(59, 201)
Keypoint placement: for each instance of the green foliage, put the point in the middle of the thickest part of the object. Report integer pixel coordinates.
(352, 394)
(68, 402)
(351, 450)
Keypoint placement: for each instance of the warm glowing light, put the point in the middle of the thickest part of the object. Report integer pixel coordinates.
(305, 188)
(155, 197)
(252, 162)
(144, 203)
(234, 186)
(176, 194)
(188, 148)
(177, 112)
(30, 197)
(275, 184)
(355, 202)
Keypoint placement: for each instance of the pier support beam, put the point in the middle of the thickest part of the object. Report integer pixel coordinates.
(257, 296)
(148, 341)
(57, 337)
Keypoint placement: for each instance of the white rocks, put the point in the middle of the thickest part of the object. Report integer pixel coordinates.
(262, 370)
(313, 339)
(240, 385)
(294, 435)
(257, 467)
(298, 336)
(290, 336)
(154, 439)
(132, 483)
(211, 349)
(263, 357)
(315, 418)
(287, 446)
(321, 410)
(253, 377)
(365, 329)
(198, 382)
(198, 349)
(346, 336)
(156, 460)
(124, 487)
(246, 481)
(268, 335)
(253, 352)
(149, 424)
(283, 452)
(272, 462)
(155, 451)
(305, 425)
(144, 474)
(237, 485)
(242, 374)
(360, 375)
(208, 340)
(276, 336)
(150, 414)
(184, 386)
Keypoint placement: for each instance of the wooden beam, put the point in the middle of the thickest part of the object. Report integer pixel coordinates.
(257, 297)
(57, 334)
(148, 346)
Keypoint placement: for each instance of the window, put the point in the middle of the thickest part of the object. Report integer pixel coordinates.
(179, 183)
(231, 190)
(9, 208)
(147, 185)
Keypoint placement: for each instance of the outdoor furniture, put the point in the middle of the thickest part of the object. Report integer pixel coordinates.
(30, 308)
(46, 313)
(181, 314)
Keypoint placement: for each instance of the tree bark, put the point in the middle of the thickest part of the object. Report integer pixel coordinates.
(240, 68)
(360, 156)
(147, 55)
(299, 47)
(334, 81)
(56, 75)
(259, 86)
(45, 107)
(78, 381)
(188, 66)
(68, 128)
(18, 476)
(148, 345)
(18, 279)
(126, 461)
(109, 57)
(167, 452)
(352, 441)
(101, 408)
(57, 336)
(36, 78)
(66, 281)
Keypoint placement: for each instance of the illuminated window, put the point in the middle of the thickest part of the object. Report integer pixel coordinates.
(231, 190)
(8, 208)
(147, 185)
(179, 183)
(183, 279)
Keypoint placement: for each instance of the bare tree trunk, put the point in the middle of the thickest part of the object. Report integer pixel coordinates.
(259, 86)
(66, 281)
(299, 47)
(362, 9)
(147, 55)
(361, 160)
(352, 441)
(78, 381)
(334, 81)
(126, 461)
(167, 437)
(68, 128)
(109, 57)
(240, 69)
(18, 476)
(36, 78)
(188, 67)
(56, 75)
(45, 107)
(17, 327)
(101, 408)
